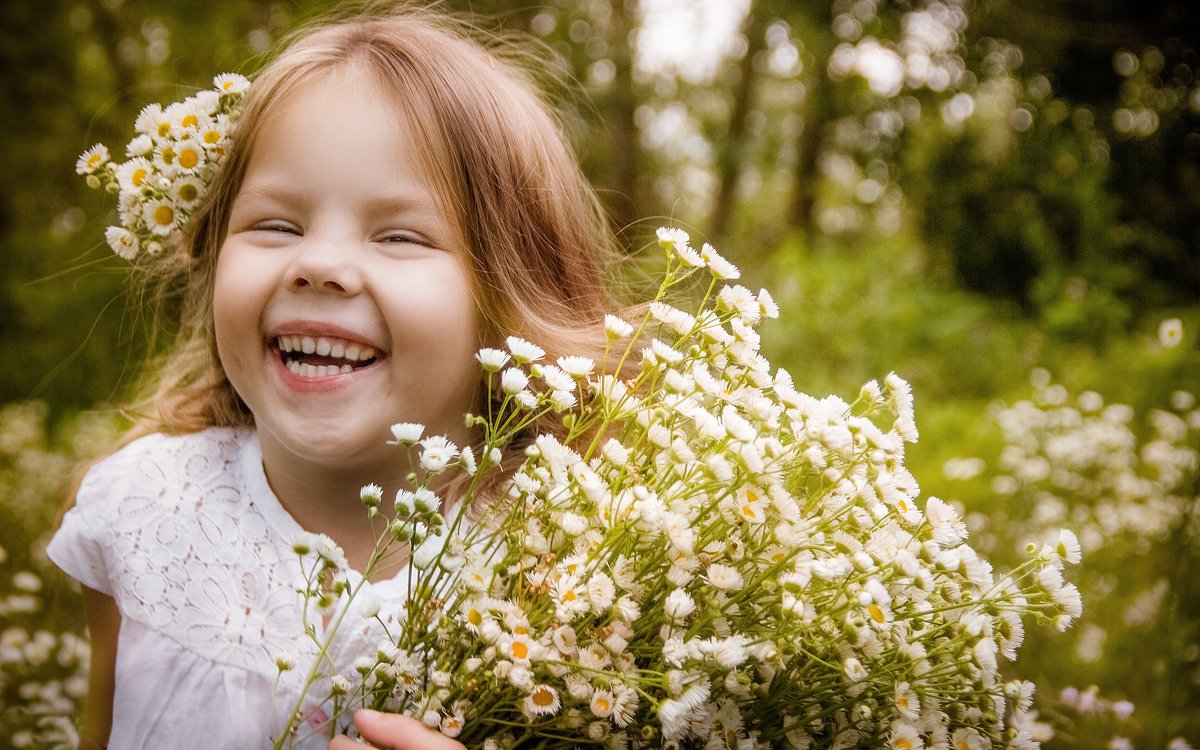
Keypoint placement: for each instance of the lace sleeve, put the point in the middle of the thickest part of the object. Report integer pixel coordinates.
(79, 547)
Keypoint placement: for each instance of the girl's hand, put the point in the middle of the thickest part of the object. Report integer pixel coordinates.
(394, 731)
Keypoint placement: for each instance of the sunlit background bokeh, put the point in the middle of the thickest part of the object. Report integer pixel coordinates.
(997, 199)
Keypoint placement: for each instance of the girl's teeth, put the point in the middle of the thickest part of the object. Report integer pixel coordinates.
(305, 370)
(325, 347)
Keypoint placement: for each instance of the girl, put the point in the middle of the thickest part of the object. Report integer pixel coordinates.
(395, 196)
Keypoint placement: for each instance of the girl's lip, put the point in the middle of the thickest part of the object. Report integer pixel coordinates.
(323, 384)
(318, 329)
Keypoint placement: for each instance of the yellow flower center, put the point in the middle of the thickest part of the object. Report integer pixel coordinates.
(164, 215)
(569, 596)
(189, 121)
(475, 617)
(520, 650)
(876, 613)
(748, 511)
(602, 704)
(168, 155)
(902, 744)
(543, 697)
(903, 506)
(228, 85)
(188, 192)
(521, 630)
(188, 158)
(138, 177)
(94, 161)
(212, 136)
(164, 129)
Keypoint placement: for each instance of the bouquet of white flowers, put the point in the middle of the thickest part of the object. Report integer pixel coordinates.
(702, 556)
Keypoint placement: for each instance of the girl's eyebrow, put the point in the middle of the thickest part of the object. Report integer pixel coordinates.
(381, 206)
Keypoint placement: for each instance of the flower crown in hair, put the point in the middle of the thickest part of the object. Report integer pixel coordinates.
(172, 160)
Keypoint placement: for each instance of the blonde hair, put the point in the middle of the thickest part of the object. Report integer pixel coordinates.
(534, 236)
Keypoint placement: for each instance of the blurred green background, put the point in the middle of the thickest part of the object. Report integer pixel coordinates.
(997, 199)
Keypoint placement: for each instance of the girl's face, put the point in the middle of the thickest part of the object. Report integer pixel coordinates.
(341, 304)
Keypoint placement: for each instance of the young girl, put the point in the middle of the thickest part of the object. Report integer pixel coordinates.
(395, 196)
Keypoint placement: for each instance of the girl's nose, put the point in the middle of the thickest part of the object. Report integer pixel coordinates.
(324, 267)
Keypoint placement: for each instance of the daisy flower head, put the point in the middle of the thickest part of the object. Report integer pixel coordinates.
(615, 328)
(766, 304)
(437, 452)
(492, 359)
(160, 217)
(1170, 333)
(576, 366)
(1067, 546)
(132, 175)
(905, 737)
(122, 241)
(190, 156)
(741, 301)
(92, 159)
(513, 381)
(724, 577)
(524, 351)
(717, 265)
(152, 121)
(371, 495)
(543, 700)
(231, 83)
(186, 191)
(601, 704)
(407, 433)
(675, 240)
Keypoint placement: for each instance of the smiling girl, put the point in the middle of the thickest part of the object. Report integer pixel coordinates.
(395, 196)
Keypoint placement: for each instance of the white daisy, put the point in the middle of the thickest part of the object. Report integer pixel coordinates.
(186, 191)
(407, 432)
(543, 700)
(122, 241)
(492, 359)
(717, 264)
(513, 381)
(616, 328)
(231, 83)
(92, 159)
(577, 366)
(132, 175)
(524, 351)
(160, 216)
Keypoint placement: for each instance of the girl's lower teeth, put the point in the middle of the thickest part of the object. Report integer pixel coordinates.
(316, 371)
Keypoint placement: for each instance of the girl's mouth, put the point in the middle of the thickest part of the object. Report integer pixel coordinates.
(322, 356)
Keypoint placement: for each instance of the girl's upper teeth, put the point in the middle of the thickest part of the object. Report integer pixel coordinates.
(326, 347)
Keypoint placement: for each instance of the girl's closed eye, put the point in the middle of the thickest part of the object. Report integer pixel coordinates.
(276, 225)
(407, 237)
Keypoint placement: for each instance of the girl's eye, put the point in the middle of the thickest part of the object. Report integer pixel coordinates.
(405, 238)
(275, 226)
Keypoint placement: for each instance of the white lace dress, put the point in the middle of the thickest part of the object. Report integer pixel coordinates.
(186, 535)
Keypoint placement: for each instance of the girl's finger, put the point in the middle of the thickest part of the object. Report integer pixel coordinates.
(400, 732)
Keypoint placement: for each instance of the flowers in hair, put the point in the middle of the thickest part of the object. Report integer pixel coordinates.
(170, 162)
